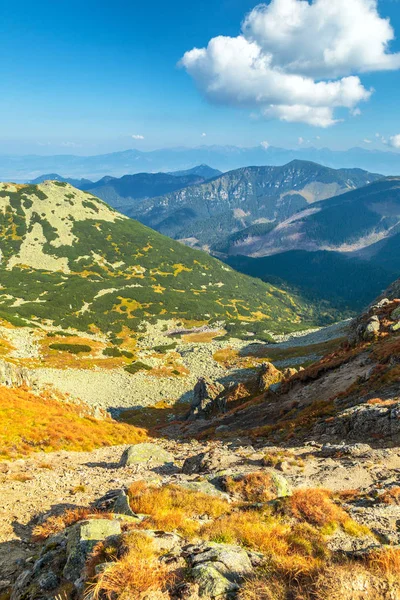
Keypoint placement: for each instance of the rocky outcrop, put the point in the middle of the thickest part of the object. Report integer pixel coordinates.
(267, 376)
(207, 399)
(377, 423)
(13, 376)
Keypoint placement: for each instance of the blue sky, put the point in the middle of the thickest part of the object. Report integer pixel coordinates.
(83, 77)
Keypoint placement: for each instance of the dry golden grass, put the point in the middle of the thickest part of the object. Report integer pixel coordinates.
(263, 588)
(272, 459)
(30, 423)
(254, 487)
(172, 508)
(136, 574)
(21, 477)
(58, 523)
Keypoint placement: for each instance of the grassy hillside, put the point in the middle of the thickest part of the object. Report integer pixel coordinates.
(346, 283)
(69, 260)
(31, 423)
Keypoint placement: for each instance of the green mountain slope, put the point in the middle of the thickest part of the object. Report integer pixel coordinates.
(69, 260)
(205, 214)
(351, 222)
(349, 284)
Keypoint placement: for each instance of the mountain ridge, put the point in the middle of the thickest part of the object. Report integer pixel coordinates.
(223, 158)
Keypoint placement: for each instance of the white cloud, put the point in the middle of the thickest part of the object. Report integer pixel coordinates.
(137, 136)
(203, 135)
(70, 144)
(394, 141)
(355, 112)
(265, 144)
(366, 141)
(300, 141)
(296, 61)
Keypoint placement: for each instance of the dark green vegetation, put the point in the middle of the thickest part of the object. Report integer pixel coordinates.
(118, 273)
(349, 284)
(136, 367)
(71, 348)
(212, 211)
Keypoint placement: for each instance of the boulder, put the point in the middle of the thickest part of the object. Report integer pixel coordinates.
(204, 487)
(350, 450)
(218, 568)
(146, 454)
(213, 461)
(82, 538)
(122, 507)
(372, 328)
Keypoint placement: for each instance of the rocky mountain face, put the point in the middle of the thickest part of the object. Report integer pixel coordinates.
(205, 214)
(69, 260)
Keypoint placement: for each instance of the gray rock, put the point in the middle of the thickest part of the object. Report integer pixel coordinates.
(121, 505)
(212, 584)
(350, 450)
(208, 462)
(146, 454)
(82, 538)
(205, 487)
(218, 568)
(48, 581)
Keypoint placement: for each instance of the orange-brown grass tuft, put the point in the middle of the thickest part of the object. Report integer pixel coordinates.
(58, 523)
(391, 496)
(263, 588)
(386, 561)
(172, 508)
(254, 487)
(316, 506)
(135, 575)
(290, 550)
(30, 423)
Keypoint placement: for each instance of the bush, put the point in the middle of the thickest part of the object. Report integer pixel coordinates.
(136, 367)
(71, 348)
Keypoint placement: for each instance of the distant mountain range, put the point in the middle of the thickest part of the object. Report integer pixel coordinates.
(124, 192)
(203, 215)
(224, 158)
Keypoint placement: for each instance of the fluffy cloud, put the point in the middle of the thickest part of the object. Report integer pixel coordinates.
(265, 144)
(394, 141)
(296, 61)
(137, 136)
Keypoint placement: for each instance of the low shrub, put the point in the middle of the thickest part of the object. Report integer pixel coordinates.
(136, 367)
(71, 348)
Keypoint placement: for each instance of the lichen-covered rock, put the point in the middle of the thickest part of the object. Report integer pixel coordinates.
(218, 568)
(146, 454)
(82, 538)
(204, 487)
